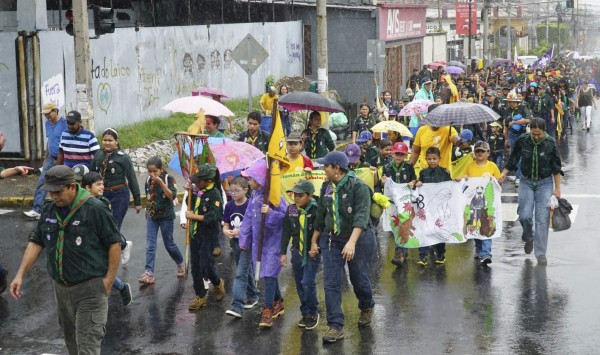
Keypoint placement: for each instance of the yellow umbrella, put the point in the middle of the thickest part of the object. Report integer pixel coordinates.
(395, 126)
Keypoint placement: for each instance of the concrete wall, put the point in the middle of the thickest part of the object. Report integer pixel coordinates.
(434, 47)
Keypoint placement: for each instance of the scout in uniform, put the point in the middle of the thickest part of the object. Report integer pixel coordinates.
(370, 154)
(254, 135)
(364, 121)
(545, 110)
(317, 140)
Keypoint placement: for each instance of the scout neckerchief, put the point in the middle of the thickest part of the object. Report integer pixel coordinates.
(80, 198)
(152, 199)
(313, 135)
(397, 169)
(105, 164)
(199, 195)
(252, 140)
(337, 224)
(302, 241)
(535, 165)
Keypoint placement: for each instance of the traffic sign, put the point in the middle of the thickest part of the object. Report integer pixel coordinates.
(249, 54)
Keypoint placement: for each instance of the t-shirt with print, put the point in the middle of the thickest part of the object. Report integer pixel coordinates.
(234, 214)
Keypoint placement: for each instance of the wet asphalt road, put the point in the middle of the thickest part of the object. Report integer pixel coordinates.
(513, 307)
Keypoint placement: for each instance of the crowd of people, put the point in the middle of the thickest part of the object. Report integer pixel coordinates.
(91, 185)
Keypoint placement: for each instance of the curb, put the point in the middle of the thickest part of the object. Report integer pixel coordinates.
(27, 202)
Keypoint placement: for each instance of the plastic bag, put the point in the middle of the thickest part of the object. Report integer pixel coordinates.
(553, 203)
(338, 119)
(560, 218)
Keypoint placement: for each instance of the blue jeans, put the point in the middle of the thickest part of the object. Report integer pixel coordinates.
(272, 291)
(498, 159)
(118, 284)
(483, 248)
(334, 274)
(550, 127)
(40, 195)
(439, 248)
(202, 263)
(119, 203)
(534, 196)
(512, 139)
(166, 229)
(306, 286)
(244, 286)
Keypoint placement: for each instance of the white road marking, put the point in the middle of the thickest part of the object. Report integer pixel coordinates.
(5, 211)
(514, 194)
(509, 212)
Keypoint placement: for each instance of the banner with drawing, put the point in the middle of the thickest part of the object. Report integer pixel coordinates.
(447, 212)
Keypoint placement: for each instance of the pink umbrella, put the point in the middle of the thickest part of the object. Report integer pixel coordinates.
(435, 65)
(206, 91)
(233, 156)
(193, 104)
(415, 107)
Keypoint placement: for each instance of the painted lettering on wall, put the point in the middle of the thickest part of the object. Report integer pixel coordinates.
(109, 69)
(104, 96)
(395, 25)
(150, 81)
(293, 51)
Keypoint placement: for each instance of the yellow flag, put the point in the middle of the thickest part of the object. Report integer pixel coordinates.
(278, 153)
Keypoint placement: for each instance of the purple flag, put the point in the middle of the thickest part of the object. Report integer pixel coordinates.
(544, 60)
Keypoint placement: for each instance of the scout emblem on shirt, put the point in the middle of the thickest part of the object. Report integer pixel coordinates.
(48, 236)
(204, 209)
(349, 209)
(112, 170)
(78, 241)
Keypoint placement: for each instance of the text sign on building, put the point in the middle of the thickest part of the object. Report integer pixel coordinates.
(464, 19)
(397, 23)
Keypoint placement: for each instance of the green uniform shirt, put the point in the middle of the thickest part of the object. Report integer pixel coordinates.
(291, 226)
(371, 155)
(159, 206)
(429, 175)
(354, 207)
(210, 205)
(364, 124)
(117, 169)
(545, 105)
(400, 174)
(317, 145)
(261, 141)
(548, 159)
(510, 113)
(88, 236)
(215, 134)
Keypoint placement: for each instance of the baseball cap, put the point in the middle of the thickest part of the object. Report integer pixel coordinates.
(205, 171)
(49, 107)
(303, 186)
(57, 177)
(399, 147)
(466, 135)
(335, 158)
(294, 137)
(272, 89)
(352, 151)
(80, 170)
(73, 117)
(426, 81)
(364, 136)
(481, 145)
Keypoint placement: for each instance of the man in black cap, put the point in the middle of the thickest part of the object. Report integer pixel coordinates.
(77, 144)
(545, 109)
(83, 249)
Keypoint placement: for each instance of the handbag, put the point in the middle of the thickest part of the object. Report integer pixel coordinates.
(560, 218)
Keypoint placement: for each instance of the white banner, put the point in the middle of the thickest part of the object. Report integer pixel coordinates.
(53, 90)
(447, 212)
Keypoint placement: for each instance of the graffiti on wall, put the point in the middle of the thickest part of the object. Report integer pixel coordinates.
(104, 96)
(294, 53)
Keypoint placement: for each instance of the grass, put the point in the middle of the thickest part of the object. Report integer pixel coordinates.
(145, 132)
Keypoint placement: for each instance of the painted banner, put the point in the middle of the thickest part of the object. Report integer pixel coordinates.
(446, 212)
(466, 19)
(53, 90)
(316, 177)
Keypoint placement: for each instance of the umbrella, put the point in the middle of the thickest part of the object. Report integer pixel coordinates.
(416, 107)
(193, 104)
(206, 91)
(459, 113)
(175, 164)
(306, 100)
(234, 156)
(456, 63)
(454, 70)
(435, 65)
(395, 126)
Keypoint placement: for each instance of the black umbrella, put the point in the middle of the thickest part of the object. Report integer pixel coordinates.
(306, 100)
(459, 113)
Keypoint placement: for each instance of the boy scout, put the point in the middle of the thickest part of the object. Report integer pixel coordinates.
(370, 153)
(254, 135)
(317, 140)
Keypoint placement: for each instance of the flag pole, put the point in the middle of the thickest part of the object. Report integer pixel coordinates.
(266, 191)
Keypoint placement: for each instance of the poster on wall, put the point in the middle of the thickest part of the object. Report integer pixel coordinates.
(53, 90)
(466, 19)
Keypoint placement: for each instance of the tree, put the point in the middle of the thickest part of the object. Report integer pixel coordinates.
(565, 33)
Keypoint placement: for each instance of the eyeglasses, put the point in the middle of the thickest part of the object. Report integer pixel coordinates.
(234, 192)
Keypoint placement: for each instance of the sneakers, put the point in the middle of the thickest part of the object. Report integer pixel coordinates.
(180, 270)
(198, 303)
(398, 259)
(231, 312)
(302, 322)
(32, 214)
(422, 260)
(365, 317)
(3, 281)
(486, 261)
(250, 304)
(147, 278)
(126, 296)
(440, 259)
(278, 309)
(332, 335)
(220, 291)
(217, 251)
(266, 320)
(311, 322)
(126, 254)
(542, 260)
(528, 247)
(476, 256)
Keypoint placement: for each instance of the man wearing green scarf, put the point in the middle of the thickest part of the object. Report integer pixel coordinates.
(298, 225)
(83, 251)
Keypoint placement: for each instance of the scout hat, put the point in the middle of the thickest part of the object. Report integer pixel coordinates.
(495, 124)
(48, 108)
(399, 147)
(303, 187)
(352, 151)
(294, 137)
(80, 170)
(481, 145)
(58, 177)
(205, 172)
(512, 97)
(364, 136)
(73, 117)
(336, 158)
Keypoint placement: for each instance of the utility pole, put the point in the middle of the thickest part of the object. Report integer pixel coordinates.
(83, 74)
(322, 76)
(548, 24)
(470, 31)
(486, 29)
(508, 31)
(559, 17)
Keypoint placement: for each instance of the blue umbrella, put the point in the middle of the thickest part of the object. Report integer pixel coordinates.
(176, 166)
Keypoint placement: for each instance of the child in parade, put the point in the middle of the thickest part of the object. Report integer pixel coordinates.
(385, 149)
(160, 213)
(370, 153)
(94, 184)
(298, 225)
(482, 167)
(464, 145)
(271, 247)
(205, 214)
(400, 171)
(298, 161)
(317, 140)
(497, 142)
(434, 173)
